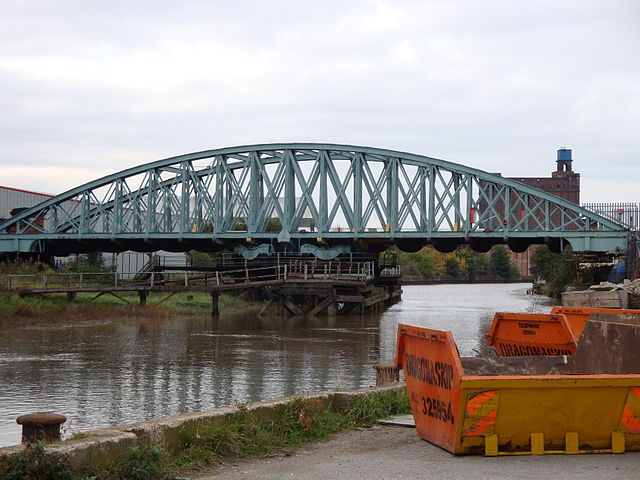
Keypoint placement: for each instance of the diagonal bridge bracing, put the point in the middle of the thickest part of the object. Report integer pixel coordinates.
(316, 198)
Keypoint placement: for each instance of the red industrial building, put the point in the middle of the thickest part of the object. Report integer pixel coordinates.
(564, 183)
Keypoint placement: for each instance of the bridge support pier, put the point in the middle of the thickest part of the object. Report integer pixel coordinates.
(71, 296)
(335, 298)
(291, 307)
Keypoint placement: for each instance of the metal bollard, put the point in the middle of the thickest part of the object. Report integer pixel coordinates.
(40, 426)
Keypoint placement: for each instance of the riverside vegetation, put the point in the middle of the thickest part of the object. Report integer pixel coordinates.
(242, 435)
(463, 262)
(52, 308)
(555, 272)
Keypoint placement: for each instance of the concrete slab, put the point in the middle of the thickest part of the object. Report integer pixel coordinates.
(399, 420)
(384, 452)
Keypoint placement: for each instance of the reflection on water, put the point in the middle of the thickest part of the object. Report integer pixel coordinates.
(131, 370)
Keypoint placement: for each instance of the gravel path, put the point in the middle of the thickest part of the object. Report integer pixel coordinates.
(393, 452)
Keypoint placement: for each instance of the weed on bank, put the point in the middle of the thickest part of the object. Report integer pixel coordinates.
(243, 434)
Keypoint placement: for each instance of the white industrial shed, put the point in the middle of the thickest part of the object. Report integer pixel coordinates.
(12, 199)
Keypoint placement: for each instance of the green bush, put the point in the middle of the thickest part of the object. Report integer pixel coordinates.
(35, 463)
(427, 261)
(143, 463)
(553, 269)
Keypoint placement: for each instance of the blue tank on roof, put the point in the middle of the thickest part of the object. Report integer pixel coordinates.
(564, 154)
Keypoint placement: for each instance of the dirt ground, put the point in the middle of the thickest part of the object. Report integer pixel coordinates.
(395, 452)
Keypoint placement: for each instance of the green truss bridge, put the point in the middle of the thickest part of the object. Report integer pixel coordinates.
(322, 199)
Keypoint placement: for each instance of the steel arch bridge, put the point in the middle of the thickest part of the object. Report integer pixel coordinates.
(316, 198)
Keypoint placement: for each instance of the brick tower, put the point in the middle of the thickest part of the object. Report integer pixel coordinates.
(564, 183)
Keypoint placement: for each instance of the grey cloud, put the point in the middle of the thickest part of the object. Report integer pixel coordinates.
(498, 85)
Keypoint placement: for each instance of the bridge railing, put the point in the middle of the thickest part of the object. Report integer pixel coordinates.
(357, 271)
(336, 270)
(63, 280)
(390, 272)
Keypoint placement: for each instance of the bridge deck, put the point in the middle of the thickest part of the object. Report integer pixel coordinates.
(185, 288)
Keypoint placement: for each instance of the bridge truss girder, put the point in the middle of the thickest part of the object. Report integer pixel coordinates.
(295, 194)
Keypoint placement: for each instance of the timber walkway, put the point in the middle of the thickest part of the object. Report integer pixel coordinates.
(189, 280)
(301, 288)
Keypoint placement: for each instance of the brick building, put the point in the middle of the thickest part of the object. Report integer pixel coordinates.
(564, 183)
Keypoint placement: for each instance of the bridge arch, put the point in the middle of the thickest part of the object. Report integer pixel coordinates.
(307, 196)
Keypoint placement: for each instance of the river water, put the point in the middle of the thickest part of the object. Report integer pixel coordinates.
(101, 374)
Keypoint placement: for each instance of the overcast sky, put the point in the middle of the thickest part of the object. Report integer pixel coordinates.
(89, 88)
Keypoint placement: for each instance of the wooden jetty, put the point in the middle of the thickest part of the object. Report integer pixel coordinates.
(336, 288)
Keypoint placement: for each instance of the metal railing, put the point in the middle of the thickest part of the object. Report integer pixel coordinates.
(625, 213)
(390, 271)
(357, 271)
(330, 270)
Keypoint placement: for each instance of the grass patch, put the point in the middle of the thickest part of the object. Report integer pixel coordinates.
(56, 308)
(189, 303)
(36, 463)
(302, 421)
(243, 434)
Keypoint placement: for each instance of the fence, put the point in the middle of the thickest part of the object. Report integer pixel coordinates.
(627, 214)
(358, 271)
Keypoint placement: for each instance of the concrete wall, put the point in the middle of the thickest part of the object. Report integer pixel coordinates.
(104, 447)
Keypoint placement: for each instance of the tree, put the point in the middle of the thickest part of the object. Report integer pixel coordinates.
(427, 261)
(476, 263)
(455, 265)
(87, 262)
(241, 225)
(502, 263)
(274, 225)
(200, 259)
(552, 269)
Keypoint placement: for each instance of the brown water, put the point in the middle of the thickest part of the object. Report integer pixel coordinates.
(122, 371)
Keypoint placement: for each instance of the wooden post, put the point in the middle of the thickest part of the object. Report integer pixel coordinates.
(386, 374)
(143, 296)
(215, 297)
